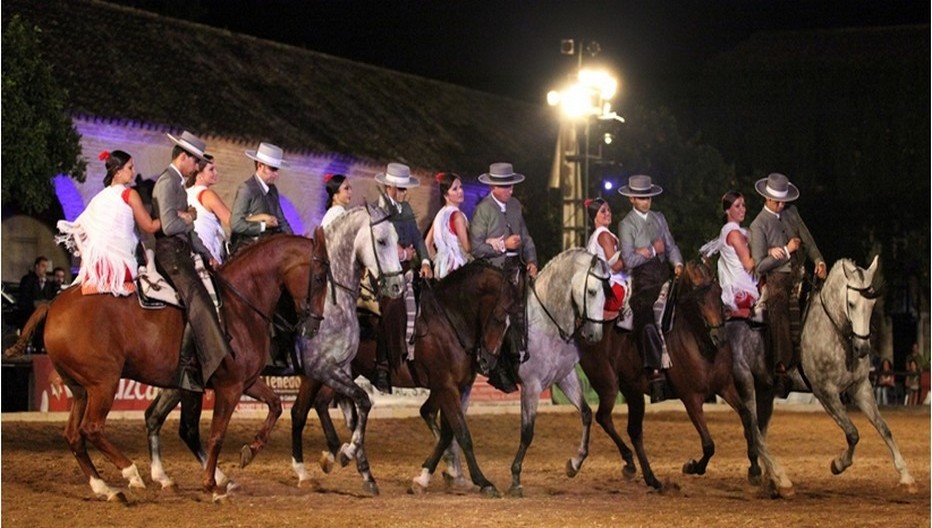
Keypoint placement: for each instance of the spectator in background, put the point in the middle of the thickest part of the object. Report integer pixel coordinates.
(57, 284)
(32, 290)
(912, 381)
(884, 383)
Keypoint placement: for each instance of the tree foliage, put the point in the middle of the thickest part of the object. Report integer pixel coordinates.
(39, 140)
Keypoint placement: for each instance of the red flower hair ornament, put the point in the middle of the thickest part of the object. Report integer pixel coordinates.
(439, 176)
(587, 202)
(104, 155)
(328, 177)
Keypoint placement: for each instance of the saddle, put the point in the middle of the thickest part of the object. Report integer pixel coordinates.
(155, 292)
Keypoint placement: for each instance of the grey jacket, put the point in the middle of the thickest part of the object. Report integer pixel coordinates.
(251, 200)
(168, 198)
(768, 231)
(488, 221)
(634, 232)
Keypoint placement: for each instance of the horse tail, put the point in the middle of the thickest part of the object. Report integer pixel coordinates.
(35, 321)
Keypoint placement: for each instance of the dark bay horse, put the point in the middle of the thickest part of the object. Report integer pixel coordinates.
(702, 364)
(462, 317)
(93, 341)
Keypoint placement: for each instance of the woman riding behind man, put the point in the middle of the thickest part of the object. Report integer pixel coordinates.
(104, 235)
(449, 233)
(339, 195)
(212, 214)
(604, 244)
(740, 292)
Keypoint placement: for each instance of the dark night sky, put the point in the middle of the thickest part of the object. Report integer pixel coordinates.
(512, 47)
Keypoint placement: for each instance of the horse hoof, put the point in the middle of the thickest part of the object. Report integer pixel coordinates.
(118, 497)
(232, 485)
(371, 488)
(307, 484)
(416, 489)
(169, 486)
(245, 456)
(689, 468)
(326, 461)
(490, 492)
(908, 487)
(454, 482)
(516, 492)
(836, 469)
(221, 498)
(629, 472)
(754, 477)
(345, 457)
(571, 471)
(786, 493)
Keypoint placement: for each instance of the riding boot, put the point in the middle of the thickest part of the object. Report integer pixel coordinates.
(382, 374)
(188, 376)
(653, 347)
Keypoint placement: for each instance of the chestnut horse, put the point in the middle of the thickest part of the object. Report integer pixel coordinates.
(462, 320)
(702, 364)
(95, 340)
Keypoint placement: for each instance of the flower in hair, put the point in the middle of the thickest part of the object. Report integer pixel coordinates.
(439, 176)
(328, 177)
(104, 155)
(587, 202)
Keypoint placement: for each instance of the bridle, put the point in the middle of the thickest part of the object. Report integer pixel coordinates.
(580, 320)
(383, 275)
(846, 331)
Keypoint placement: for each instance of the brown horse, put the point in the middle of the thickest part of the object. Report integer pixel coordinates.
(702, 363)
(460, 318)
(93, 341)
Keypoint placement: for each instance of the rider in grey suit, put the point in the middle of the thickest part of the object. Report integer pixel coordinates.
(173, 246)
(257, 208)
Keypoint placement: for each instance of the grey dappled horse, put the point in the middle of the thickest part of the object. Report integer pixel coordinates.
(362, 237)
(836, 356)
(753, 379)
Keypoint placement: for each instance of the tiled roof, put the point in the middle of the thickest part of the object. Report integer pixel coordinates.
(126, 64)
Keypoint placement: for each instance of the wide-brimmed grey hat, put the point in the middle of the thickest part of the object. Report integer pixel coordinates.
(501, 174)
(777, 187)
(640, 186)
(191, 144)
(397, 175)
(268, 154)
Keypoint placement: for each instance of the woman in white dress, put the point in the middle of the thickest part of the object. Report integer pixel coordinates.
(104, 235)
(740, 292)
(213, 216)
(448, 238)
(604, 243)
(339, 195)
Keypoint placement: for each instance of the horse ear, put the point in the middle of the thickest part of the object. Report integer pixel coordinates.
(848, 268)
(874, 264)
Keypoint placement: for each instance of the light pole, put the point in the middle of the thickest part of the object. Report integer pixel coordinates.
(586, 97)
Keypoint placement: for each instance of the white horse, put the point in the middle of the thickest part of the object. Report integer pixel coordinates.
(836, 357)
(564, 302)
(362, 237)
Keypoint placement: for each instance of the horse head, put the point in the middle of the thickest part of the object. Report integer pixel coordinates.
(590, 287)
(699, 288)
(495, 295)
(860, 293)
(377, 249)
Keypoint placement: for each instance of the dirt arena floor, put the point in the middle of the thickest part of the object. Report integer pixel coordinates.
(43, 486)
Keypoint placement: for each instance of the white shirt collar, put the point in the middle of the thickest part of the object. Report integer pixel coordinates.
(500, 204)
(264, 186)
(772, 212)
(642, 215)
(178, 172)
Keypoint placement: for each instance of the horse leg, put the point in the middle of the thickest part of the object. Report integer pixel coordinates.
(158, 410)
(322, 406)
(453, 472)
(861, 394)
(444, 437)
(78, 445)
(260, 391)
(530, 395)
(307, 392)
(635, 400)
(225, 400)
(343, 384)
(693, 403)
(99, 402)
(452, 413)
(572, 388)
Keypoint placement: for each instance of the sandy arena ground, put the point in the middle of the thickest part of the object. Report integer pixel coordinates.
(43, 486)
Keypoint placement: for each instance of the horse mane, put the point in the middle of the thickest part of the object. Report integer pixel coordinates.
(247, 259)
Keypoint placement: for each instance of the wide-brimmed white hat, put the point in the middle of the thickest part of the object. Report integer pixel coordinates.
(777, 187)
(640, 186)
(191, 144)
(397, 175)
(501, 174)
(268, 154)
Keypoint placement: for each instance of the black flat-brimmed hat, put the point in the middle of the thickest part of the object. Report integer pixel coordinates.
(640, 186)
(501, 174)
(777, 187)
(191, 144)
(397, 175)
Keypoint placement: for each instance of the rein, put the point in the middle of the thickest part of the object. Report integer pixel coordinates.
(334, 284)
(568, 336)
(847, 332)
